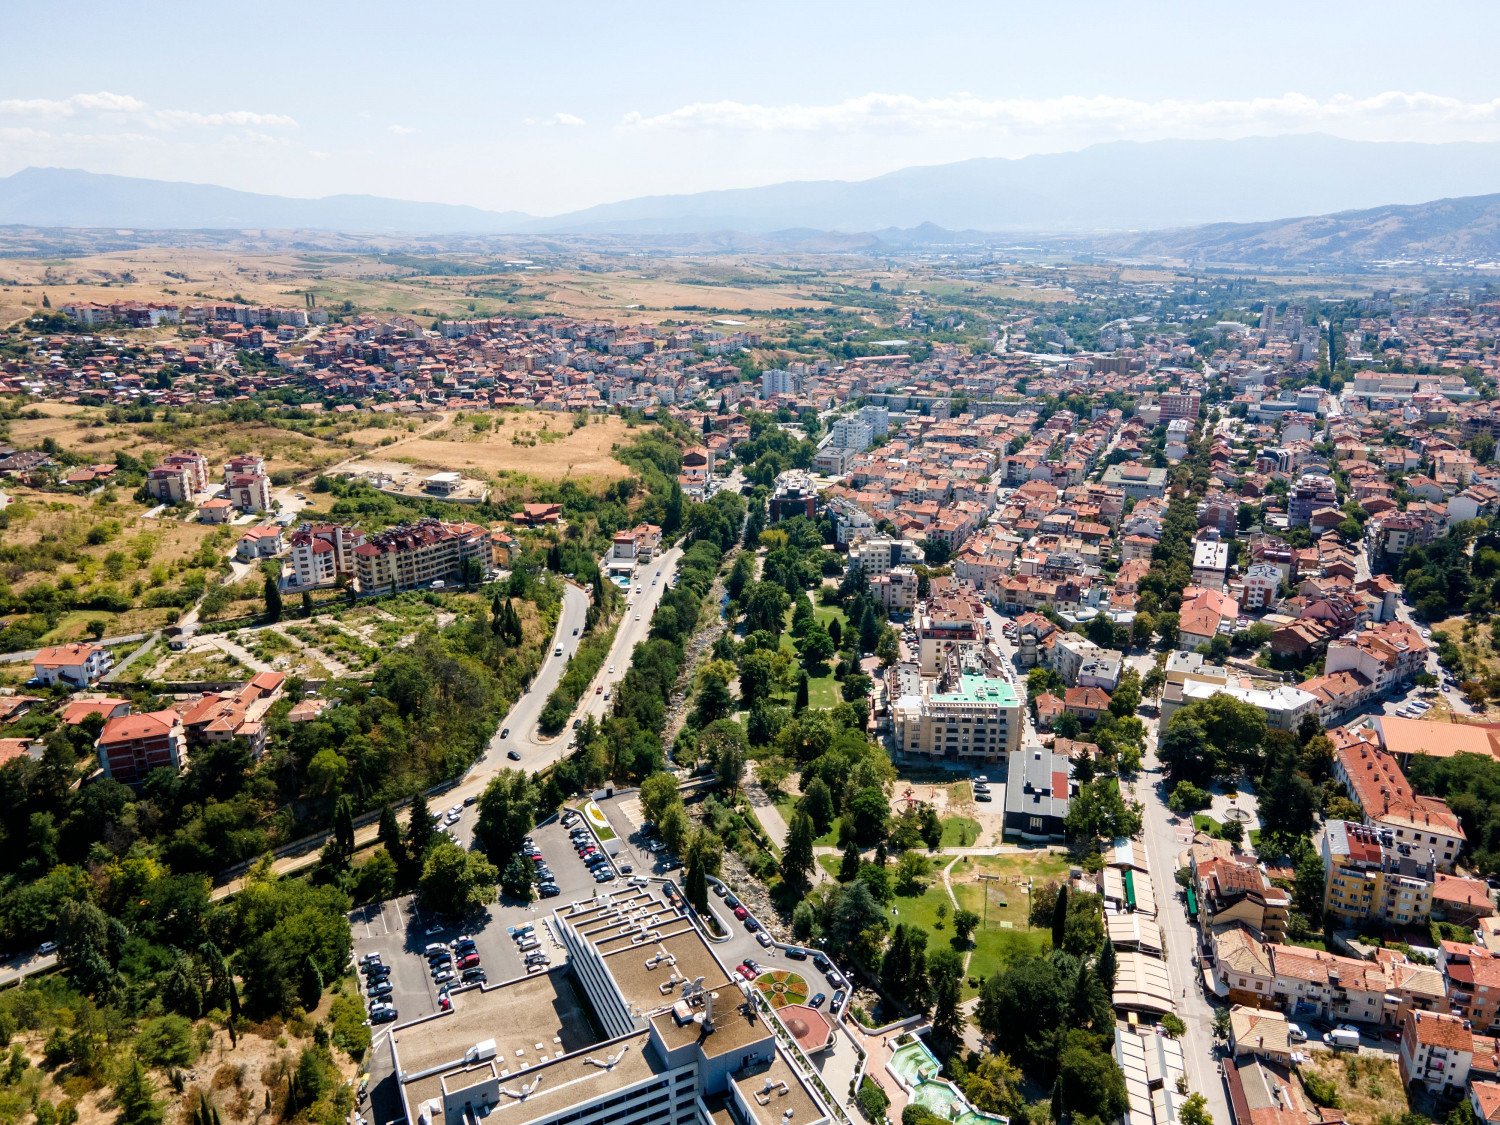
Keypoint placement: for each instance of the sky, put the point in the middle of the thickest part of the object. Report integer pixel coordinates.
(552, 106)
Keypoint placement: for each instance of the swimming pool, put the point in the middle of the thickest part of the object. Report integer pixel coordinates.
(917, 1069)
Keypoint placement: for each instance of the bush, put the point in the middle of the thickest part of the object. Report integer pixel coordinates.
(1321, 1090)
(1188, 798)
(872, 1100)
(166, 1041)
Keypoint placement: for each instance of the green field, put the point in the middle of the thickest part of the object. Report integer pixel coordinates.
(960, 831)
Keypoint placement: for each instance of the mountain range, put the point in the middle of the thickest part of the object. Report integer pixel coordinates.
(1120, 186)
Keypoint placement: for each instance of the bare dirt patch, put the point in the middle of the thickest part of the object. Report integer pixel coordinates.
(540, 444)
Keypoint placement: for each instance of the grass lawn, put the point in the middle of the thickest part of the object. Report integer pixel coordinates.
(822, 691)
(830, 864)
(1003, 934)
(786, 804)
(959, 831)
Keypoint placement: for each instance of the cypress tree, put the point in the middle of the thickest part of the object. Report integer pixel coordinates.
(849, 862)
(801, 704)
(1060, 917)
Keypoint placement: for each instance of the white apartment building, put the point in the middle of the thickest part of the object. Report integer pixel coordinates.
(1388, 655)
(975, 721)
(684, 1042)
(880, 554)
(322, 553)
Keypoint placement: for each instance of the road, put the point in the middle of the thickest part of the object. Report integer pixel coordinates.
(518, 730)
(30, 653)
(655, 577)
(1164, 841)
(24, 965)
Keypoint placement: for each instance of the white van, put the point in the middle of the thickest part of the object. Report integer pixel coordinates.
(528, 945)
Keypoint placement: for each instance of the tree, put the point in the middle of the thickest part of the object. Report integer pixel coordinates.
(1023, 1008)
(272, 594)
(518, 878)
(390, 838)
(965, 922)
(1194, 1111)
(817, 802)
(849, 862)
(802, 694)
(1126, 699)
(903, 969)
(994, 1086)
(757, 677)
(945, 980)
(136, 1097)
(420, 832)
(1060, 916)
(507, 814)
(797, 856)
(1089, 1081)
(911, 869)
(869, 815)
(455, 882)
(816, 647)
(658, 793)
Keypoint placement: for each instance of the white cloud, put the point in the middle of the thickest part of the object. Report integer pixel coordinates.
(402, 130)
(1391, 110)
(562, 120)
(107, 104)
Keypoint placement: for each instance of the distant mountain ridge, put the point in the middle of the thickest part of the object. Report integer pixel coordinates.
(1457, 231)
(1120, 186)
(66, 197)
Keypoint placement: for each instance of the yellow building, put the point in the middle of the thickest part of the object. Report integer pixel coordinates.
(1366, 879)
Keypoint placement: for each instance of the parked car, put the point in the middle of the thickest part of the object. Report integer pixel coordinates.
(796, 953)
(836, 979)
(1295, 1033)
(442, 976)
(505, 732)
(475, 976)
(751, 925)
(821, 961)
(523, 930)
(382, 1013)
(764, 939)
(380, 990)
(436, 948)
(838, 1000)
(550, 890)
(817, 1001)
(741, 913)
(730, 901)
(513, 755)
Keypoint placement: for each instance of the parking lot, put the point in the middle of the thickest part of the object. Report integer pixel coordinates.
(400, 933)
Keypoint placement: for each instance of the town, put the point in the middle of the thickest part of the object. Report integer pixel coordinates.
(934, 713)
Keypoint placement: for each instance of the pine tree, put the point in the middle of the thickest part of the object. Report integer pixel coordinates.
(849, 862)
(797, 857)
(419, 831)
(802, 694)
(307, 606)
(136, 1098)
(390, 837)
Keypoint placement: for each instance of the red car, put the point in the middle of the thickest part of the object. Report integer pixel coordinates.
(469, 962)
(741, 913)
(745, 971)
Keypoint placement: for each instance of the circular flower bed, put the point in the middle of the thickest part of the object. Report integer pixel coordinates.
(781, 988)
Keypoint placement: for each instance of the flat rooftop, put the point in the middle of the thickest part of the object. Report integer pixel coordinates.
(772, 1091)
(974, 688)
(542, 1008)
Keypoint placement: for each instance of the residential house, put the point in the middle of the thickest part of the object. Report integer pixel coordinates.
(131, 746)
(77, 665)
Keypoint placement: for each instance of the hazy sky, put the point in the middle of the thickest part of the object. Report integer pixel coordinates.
(552, 105)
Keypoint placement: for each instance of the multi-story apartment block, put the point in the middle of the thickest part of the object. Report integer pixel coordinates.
(1472, 976)
(1311, 492)
(131, 746)
(178, 478)
(971, 720)
(778, 381)
(945, 623)
(1400, 817)
(1137, 481)
(880, 554)
(249, 492)
(1437, 1052)
(896, 591)
(1236, 890)
(1367, 880)
(322, 554)
(1210, 563)
(418, 554)
(1388, 655)
(1180, 404)
(1314, 983)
